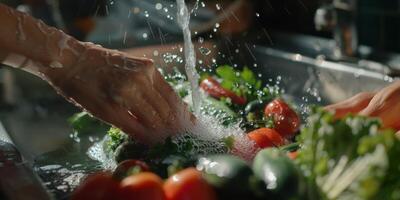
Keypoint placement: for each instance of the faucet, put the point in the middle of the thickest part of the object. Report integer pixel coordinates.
(339, 16)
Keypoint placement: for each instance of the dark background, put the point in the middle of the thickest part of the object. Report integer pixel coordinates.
(378, 21)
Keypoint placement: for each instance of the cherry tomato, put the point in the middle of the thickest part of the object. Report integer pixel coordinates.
(292, 155)
(286, 120)
(100, 186)
(124, 168)
(214, 89)
(188, 184)
(142, 186)
(266, 137)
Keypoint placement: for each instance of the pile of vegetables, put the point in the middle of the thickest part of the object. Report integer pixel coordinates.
(349, 158)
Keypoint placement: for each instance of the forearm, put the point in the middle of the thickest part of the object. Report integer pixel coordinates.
(30, 44)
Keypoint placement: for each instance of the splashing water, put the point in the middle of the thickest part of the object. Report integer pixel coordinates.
(207, 127)
(190, 56)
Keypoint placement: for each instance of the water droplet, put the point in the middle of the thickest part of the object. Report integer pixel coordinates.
(258, 14)
(236, 50)
(169, 58)
(146, 13)
(217, 25)
(205, 51)
(159, 6)
(218, 6)
(155, 53)
(201, 39)
(145, 36)
(165, 9)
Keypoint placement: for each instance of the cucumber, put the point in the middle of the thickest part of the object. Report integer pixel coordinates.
(280, 175)
(231, 176)
(257, 105)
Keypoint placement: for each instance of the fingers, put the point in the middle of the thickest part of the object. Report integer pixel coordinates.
(154, 97)
(353, 105)
(386, 106)
(179, 108)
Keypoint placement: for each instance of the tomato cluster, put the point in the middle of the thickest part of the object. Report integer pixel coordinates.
(144, 185)
(286, 124)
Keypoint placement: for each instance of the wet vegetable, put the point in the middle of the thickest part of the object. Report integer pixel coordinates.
(100, 186)
(243, 83)
(266, 137)
(230, 175)
(286, 120)
(188, 184)
(117, 137)
(142, 186)
(282, 178)
(219, 110)
(129, 167)
(129, 150)
(349, 158)
(214, 89)
(225, 171)
(257, 105)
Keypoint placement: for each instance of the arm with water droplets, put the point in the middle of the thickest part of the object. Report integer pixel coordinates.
(128, 92)
(29, 44)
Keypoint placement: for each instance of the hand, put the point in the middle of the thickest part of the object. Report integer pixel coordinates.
(384, 104)
(125, 91)
(352, 105)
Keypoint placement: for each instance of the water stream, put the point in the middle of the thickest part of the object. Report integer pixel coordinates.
(183, 17)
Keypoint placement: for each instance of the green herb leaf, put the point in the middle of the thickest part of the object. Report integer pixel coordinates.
(227, 72)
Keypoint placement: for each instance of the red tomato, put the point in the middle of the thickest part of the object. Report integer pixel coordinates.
(292, 155)
(214, 89)
(266, 137)
(142, 186)
(188, 184)
(123, 168)
(286, 120)
(99, 186)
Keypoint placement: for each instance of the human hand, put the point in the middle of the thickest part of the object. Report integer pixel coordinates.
(384, 105)
(125, 91)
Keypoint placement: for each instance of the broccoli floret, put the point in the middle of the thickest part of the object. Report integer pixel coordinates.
(117, 137)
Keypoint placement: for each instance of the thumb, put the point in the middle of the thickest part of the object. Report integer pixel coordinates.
(353, 105)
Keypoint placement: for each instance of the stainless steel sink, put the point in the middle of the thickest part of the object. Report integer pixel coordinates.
(315, 80)
(42, 133)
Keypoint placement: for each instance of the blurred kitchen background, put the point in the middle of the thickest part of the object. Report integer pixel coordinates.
(355, 42)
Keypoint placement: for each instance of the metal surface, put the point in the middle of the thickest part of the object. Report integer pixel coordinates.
(340, 17)
(17, 179)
